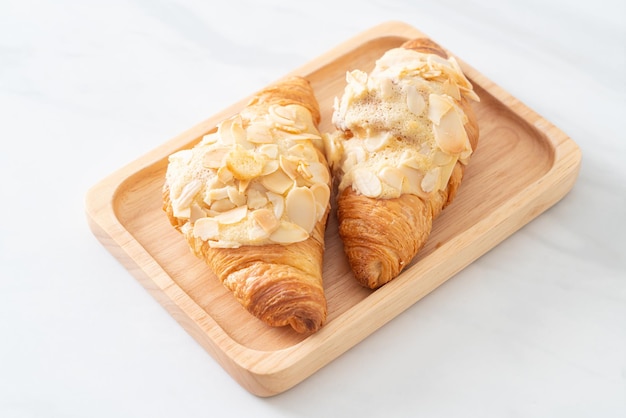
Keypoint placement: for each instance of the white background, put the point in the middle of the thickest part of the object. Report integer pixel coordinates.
(535, 328)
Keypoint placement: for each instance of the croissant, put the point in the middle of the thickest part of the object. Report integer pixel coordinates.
(405, 133)
(252, 200)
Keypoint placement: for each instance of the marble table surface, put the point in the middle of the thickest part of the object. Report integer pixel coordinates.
(534, 328)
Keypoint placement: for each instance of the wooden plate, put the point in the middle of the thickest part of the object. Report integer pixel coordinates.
(523, 165)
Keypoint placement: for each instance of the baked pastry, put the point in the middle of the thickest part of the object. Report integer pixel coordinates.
(405, 133)
(252, 200)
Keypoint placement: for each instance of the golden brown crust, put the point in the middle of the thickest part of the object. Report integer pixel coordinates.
(279, 284)
(382, 236)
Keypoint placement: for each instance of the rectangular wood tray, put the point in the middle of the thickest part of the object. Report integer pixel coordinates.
(523, 165)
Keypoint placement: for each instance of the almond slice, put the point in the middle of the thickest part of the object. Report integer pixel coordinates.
(187, 194)
(392, 177)
(300, 207)
(278, 204)
(232, 216)
(302, 151)
(282, 115)
(224, 175)
(269, 167)
(412, 181)
(415, 101)
(224, 132)
(288, 233)
(430, 181)
(206, 229)
(210, 139)
(277, 182)
(266, 219)
(196, 212)
(366, 182)
(222, 205)
(289, 166)
(446, 173)
(234, 195)
(438, 106)
(319, 173)
(322, 197)
(214, 158)
(217, 194)
(259, 133)
(376, 142)
(256, 199)
(450, 134)
(239, 133)
(269, 150)
(386, 88)
(183, 157)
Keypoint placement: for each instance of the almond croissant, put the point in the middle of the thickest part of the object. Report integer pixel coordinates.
(252, 200)
(404, 135)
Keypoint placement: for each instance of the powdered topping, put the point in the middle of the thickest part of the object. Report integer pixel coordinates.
(260, 178)
(401, 129)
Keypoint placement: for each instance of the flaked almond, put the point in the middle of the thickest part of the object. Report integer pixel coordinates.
(244, 164)
(239, 133)
(232, 216)
(438, 106)
(322, 197)
(224, 132)
(300, 207)
(224, 175)
(266, 219)
(214, 158)
(217, 193)
(210, 139)
(289, 166)
(196, 212)
(269, 167)
(415, 101)
(430, 181)
(353, 157)
(446, 172)
(412, 180)
(182, 157)
(302, 151)
(451, 89)
(243, 185)
(235, 196)
(450, 134)
(259, 133)
(188, 193)
(319, 173)
(278, 203)
(392, 177)
(222, 205)
(441, 158)
(277, 182)
(366, 182)
(385, 88)
(288, 233)
(414, 160)
(376, 142)
(206, 229)
(282, 115)
(256, 199)
(269, 150)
